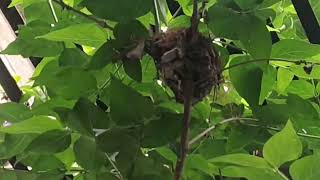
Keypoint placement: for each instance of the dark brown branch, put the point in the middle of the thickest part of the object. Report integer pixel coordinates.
(188, 87)
(99, 21)
(194, 21)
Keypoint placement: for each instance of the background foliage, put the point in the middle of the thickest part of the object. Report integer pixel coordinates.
(90, 114)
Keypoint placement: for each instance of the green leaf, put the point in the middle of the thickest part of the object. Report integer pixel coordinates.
(284, 78)
(245, 160)
(50, 142)
(125, 99)
(251, 28)
(294, 50)
(273, 150)
(248, 4)
(167, 153)
(37, 124)
(197, 162)
(103, 56)
(14, 112)
(84, 34)
(118, 10)
(224, 22)
(65, 82)
(246, 79)
(211, 148)
(302, 113)
(73, 57)
(268, 80)
(28, 45)
(153, 135)
(133, 69)
(305, 168)
(14, 144)
(250, 173)
(239, 137)
(42, 163)
(301, 88)
(87, 153)
(90, 116)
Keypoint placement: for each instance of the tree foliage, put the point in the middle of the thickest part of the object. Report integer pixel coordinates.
(94, 114)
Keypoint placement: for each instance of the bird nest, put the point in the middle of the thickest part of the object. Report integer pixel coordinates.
(178, 58)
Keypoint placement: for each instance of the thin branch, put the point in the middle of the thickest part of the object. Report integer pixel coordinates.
(109, 79)
(99, 21)
(278, 130)
(188, 94)
(53, 11)
(202, 134)
(115, 167)
(194, 21)
(281, 174)
(157, 16)
(263, 60)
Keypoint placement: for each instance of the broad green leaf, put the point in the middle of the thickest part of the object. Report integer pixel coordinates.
(37, 124)
(284, 78)
(294, 50)
(103, 56)
(14, 144)
(247, 4)
(90, 116)
(44, 163)
(73, 57)
(306, 71)
(239, 137)
(198, 162)
(65, 82)
(87, 153)
(133, 69)
(301, 88)
(28, 45)
(273, 150)
(272, 113)
(182, 21)
(224, 22)
(252, 27)
(124, 99)
(50, 142)
(116, 140)
(128, 40)
(211, 148)
(302, 113)
(268, 80)
(250, 173)
(246, 79)
(38, 11)
(118, 10)
(17, 175)
(84, 34)
(245, 160)
(306, 168)
(167, 153)
(14, 112)
(153, 131)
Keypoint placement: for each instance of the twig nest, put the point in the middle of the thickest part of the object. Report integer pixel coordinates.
(178, 58)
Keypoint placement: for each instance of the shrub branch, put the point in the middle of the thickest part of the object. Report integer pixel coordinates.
(99, 21)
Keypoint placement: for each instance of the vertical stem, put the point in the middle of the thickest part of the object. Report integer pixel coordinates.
(188, 87)
(194, 21)
(53, 11)
(157, 17)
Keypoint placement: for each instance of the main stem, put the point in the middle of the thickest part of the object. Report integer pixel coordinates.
(188, 87)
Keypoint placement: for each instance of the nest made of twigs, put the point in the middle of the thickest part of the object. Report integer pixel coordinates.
(177, 58)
